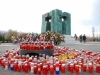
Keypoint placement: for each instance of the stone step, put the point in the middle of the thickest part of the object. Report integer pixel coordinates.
(69, 39)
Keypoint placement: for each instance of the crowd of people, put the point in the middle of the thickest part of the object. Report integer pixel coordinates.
(81, 38)
(48, 36)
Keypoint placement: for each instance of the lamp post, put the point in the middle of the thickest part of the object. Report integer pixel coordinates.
(93, 32)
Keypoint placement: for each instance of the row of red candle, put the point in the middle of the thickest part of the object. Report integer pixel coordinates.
(35, 47)
(26, 67)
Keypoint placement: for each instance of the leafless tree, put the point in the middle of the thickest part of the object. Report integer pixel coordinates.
(93, 33)
(9, 33)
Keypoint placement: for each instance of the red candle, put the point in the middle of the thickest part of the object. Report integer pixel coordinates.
(68, 66)
(51, 70)
(19, 68)
(90, 68)
(39, 66)
(98, 68)
(84, 67)
(21, 46)
(77, 69)
(33, 47)
(30, 46)
(48, 67)
(26, 68)
(39, 71)
(71, 68)
(3, 63)
(63, 68)
(38, 48)
(15, 66)
(25, 46)
(35, 69)
(29, 66)
(44, 70)
(23, 66)
(75, 63)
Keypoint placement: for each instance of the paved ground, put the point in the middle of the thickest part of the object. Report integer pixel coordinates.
(94, 46)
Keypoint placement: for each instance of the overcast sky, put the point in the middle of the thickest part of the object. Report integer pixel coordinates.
(26, 15)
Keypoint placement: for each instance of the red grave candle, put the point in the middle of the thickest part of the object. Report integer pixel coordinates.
(75, 63)
(63, 68)
(15, 66)
(19, 68)
(39, 71)
(44, 70)
(23, 66)
(90, 68)
(84, 67)
(68, 66)
(35, 69)
(51, 70)
(39, 66)
(77, 69)
(98, 68)
(26, 68)
(33, 48)
(71, 68)
(30, 46)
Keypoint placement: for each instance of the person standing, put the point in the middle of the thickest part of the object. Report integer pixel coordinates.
(75, 36)
(80, 37)
(12, 38)
(84, 38)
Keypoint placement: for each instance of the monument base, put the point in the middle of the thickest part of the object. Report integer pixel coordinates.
(69, 39)
(46, 52)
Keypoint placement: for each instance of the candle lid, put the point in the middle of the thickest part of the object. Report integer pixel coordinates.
(71, 64)
(84, 64)
(40, 63)
(90, 64)
(30, 58)
(51, 66)
(44, 66)
(63, 65)
(77, 65)
(57, 68)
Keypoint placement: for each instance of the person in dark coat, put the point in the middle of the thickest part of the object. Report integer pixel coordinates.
(84, 38)
(80, 37)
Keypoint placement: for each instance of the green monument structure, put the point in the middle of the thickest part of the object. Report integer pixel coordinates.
(56, 21)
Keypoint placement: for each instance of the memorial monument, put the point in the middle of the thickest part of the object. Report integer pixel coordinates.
(56, 21)
(59, 22)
